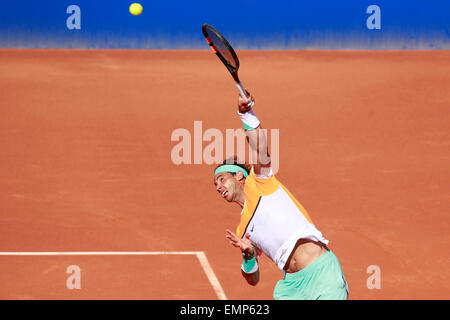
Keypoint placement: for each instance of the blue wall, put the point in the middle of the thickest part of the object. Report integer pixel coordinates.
(248, 24)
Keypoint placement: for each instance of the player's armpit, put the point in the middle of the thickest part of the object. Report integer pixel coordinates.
(260, 155)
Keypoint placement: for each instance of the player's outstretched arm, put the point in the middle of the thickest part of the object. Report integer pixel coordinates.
(256, 136)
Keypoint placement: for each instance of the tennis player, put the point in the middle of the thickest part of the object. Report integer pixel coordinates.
(275, 223)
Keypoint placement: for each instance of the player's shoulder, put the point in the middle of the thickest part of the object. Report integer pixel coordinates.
(263, 183)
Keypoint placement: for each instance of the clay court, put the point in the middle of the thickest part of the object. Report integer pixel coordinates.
(86, 170)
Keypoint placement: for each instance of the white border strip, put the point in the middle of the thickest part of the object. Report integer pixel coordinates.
(99, 253)
(200, 255)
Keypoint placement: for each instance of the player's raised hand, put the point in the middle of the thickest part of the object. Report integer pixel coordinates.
(244, 244)
(245, 105)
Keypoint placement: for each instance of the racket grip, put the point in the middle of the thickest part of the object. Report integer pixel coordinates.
(243, 92)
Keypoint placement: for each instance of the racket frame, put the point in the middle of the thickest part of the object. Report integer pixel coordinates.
(233, 70)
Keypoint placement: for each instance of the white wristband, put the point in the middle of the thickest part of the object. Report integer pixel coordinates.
(249, 120)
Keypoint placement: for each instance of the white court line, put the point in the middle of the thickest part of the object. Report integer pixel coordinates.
(211, 276)
(201, 256)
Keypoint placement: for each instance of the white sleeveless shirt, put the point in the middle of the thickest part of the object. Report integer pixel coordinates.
(274, 219)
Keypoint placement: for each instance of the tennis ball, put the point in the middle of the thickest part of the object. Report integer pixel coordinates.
(135, 9)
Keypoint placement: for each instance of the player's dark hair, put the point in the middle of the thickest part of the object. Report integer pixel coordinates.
(234, 160)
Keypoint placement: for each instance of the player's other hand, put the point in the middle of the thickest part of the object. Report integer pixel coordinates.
(244, 244)
(245, 105)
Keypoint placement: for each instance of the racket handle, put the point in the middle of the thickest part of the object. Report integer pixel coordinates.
(243, 92)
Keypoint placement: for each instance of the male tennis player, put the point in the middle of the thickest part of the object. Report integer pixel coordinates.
(274, 222)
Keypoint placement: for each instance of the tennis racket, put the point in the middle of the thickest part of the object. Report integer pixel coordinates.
(222, 48)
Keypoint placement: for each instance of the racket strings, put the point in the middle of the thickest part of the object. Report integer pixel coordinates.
(218, 44)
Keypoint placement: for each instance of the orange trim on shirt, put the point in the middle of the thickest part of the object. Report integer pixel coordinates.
(262, 186)
(254, 189)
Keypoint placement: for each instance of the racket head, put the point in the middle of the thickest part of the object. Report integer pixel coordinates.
(222, 48)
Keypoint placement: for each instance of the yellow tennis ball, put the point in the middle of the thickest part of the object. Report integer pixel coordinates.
(136, 9)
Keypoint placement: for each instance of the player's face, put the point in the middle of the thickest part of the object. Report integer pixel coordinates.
(225, 183)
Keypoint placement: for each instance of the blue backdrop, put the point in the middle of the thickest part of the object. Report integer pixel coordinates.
(248, 24)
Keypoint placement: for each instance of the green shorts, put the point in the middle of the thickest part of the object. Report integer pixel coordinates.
(322, 279)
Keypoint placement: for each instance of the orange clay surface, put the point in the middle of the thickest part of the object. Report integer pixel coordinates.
(85, 165)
